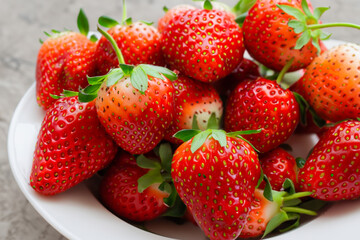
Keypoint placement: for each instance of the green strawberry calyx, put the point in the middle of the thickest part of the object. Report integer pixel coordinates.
(199, 137)
(288, 204)
(138, 74)
(160, 173)
(307, 23)
(83, 27)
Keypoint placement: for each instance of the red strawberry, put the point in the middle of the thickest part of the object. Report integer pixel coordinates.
(170, 13)
(134, 103)
(64, 60)
(263, 211)
(332, 171)
(203, 44)
(215, 175)
(119, 191)
(139, 43)
(247, 69)
(278, 165)
(262, 104)
(270, 40)
(71, 147)
(193, 98)
(331, 81)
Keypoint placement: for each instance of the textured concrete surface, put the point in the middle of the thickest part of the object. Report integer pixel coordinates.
(22, 23)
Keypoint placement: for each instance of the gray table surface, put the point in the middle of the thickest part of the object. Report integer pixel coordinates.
(22, 23)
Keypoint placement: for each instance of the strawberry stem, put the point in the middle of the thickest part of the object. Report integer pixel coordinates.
(299, 210)
(114, 45)
(328, 25)
(297, 195)
(284, 70)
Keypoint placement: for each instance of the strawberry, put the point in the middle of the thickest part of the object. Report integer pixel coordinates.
(119, 192)
(134, 103)
(330, 82)
(170, 13)
(271, 41)
(331, 172)
(215, 174)
(141, 189)
(247, 69)
(193, 98)
(71, 147)
(266, 215)
(278, 165)
(204, 44)
(138, 41)
(262, 104)
(63, 62)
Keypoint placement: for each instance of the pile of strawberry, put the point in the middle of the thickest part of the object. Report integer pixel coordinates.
(183, 126)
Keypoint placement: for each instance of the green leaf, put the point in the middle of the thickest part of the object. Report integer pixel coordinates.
(318, 12)
(165, 9)
(316, 44)
(177, 210)
(147, 23)
(213, 123)
(186, 134)
(292, 202)
(220, 136)
(208, 5)
(325, 36)
(305, 7)
(107, 22)
(139, 79)
(128, 21)
(300, 162)
(151, 177)
(244, 132)
(268, 190)
(297, 25)
(114, 76)
(316, 118)
(276, 221)
(170, 200)
(165, 187)
(303, 39)
(55, 96)
(289, 186)
(156, 71)
(91, 89)
(84, 97)
(147, 163)
(240, 19)
(313, 204)
(96, 79)
(261, 178)
(292, 216)
(93, 38)
(199, 140)
(166, 156)
(83, 23)
(243, 6)
(295, 12)
(303, 106)
(195, 124)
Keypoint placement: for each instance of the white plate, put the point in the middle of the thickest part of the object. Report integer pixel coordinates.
(77, 213)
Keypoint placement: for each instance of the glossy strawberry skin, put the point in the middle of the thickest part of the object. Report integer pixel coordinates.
(262, 104)
(262, 211)
(119, 192)
(138, 42)
(178, 9)
(270, 40)
(64, 61)
(278, 165)
(331, 171)
(137, 122)
(205, 45)
(71, 147)
(217, 184)
(192, 97)
(331, 81)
